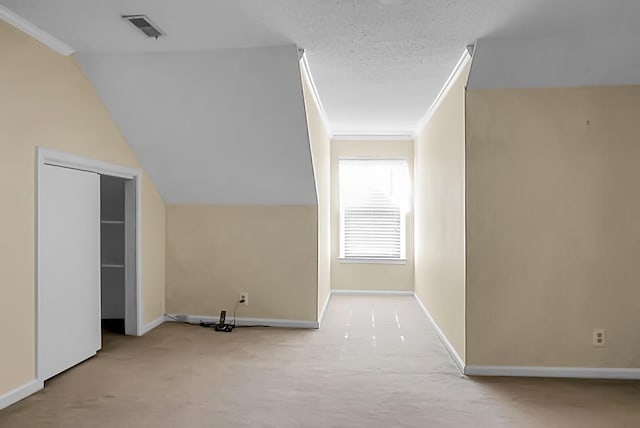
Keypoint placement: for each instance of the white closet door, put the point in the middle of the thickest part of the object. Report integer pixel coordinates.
(69, 278)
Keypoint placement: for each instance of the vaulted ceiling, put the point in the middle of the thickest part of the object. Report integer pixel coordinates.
(378, 64)
(212, 127)
(214, 109)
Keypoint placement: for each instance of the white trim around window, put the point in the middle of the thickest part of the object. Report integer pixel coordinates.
(374, 203)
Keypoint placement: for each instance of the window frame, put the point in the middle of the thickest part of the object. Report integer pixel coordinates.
(403, 218)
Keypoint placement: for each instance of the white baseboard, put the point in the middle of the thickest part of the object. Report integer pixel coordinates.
(563, 372)
(448, 346)
(324, 310)
(20, 392)
(153, 324)
(269, 322)
(371, 292)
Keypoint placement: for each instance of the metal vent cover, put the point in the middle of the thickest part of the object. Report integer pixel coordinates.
(144, 24)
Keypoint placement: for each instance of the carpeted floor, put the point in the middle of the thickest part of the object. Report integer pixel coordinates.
(375, 363)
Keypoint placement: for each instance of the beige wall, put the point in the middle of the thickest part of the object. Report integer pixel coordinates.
(553, 202)
(369, 276)
(321, 153)
(439, 208)
(47, 101)
(214, 252)
(153, 252)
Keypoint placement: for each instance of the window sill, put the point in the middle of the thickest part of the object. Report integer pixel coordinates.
(374, 261)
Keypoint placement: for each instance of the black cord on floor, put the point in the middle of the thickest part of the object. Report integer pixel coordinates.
(213, 324)
(234, 313)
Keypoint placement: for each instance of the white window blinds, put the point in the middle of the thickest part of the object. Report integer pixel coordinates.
(374, 198)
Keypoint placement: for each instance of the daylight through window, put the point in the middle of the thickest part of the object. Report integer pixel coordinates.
(374, 200)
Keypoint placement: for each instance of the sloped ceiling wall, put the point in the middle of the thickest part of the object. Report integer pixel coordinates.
(555, 62)
(212, 127)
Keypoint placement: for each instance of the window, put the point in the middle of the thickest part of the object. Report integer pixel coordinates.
(374, 200)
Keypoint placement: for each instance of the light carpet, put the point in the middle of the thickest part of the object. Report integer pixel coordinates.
(376, 362)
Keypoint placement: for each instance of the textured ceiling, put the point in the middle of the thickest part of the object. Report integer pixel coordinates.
(378, 64)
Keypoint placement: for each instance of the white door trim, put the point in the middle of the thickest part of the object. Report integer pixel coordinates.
(67, 160)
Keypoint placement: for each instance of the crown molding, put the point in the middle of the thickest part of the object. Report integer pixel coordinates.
(34, 31)
(466, 57)
(378, 136)
(304, 65)
(371, 293)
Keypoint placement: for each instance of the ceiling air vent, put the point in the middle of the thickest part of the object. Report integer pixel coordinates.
(144, 24)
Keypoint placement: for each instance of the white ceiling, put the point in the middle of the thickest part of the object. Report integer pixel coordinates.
(237, 138)
(555, 62)
(378, 64)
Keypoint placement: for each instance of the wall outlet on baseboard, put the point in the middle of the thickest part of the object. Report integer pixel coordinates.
(244, 298)
(599, 337)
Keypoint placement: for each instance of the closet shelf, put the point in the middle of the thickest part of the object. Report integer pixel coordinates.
(109, 265)
(112, 221)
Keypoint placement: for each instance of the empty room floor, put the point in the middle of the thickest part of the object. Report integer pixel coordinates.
(376, 362)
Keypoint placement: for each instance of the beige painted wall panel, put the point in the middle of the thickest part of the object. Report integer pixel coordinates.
(214, 252)
(153, 252)
(321, 154)
(553, 237)
(368, 276)
(440, 221)
(47, 101)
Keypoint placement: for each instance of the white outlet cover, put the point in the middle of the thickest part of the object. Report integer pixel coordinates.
(599, 337)
(244, 295)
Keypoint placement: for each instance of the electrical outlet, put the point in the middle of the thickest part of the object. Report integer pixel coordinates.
(599, 337)
(244, 298)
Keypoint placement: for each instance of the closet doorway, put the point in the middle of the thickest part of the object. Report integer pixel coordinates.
(88, 257)
(117, 253)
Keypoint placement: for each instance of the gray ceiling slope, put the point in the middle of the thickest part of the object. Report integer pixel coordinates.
(594, 60)
(212, 127)
(378, 64)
